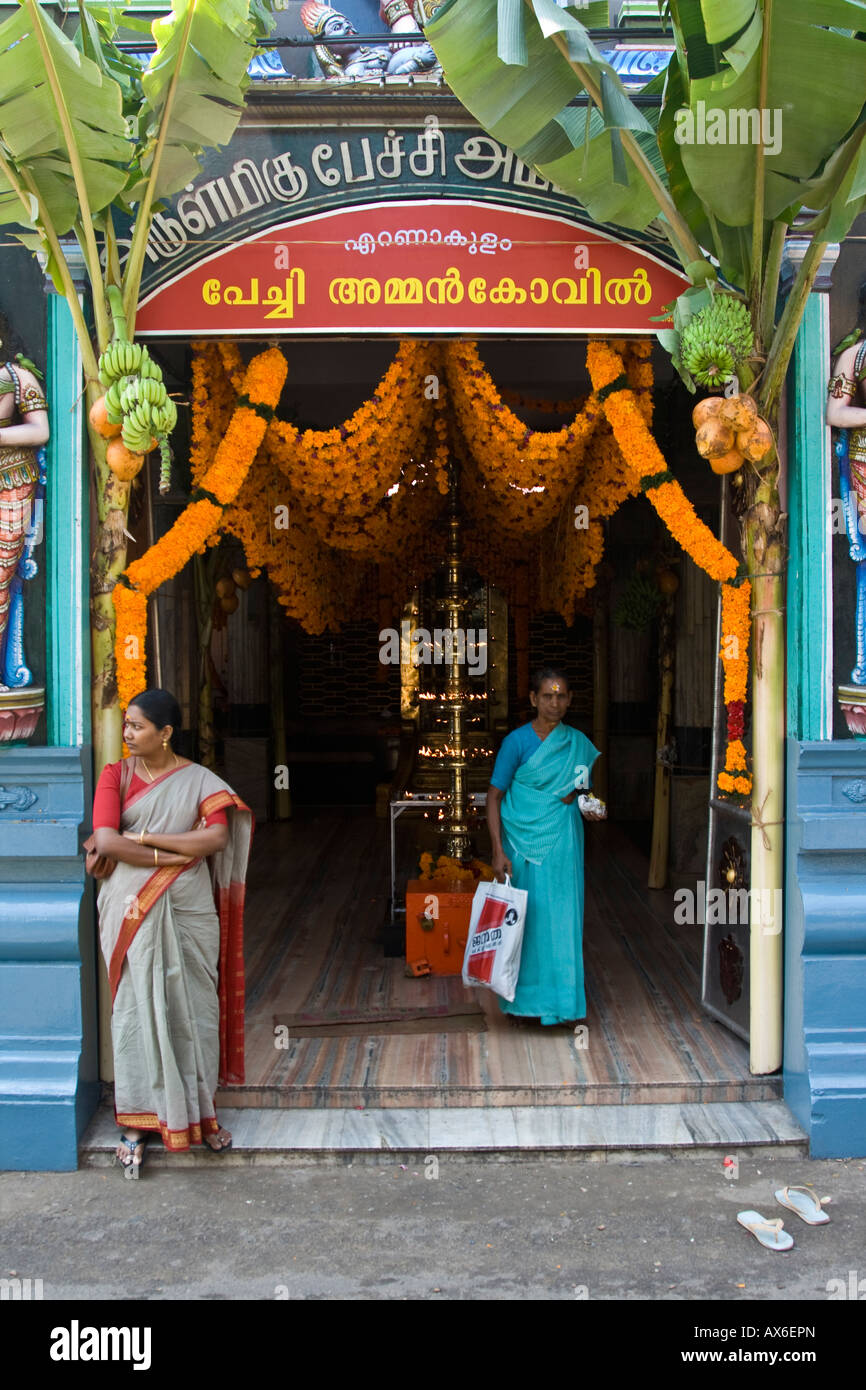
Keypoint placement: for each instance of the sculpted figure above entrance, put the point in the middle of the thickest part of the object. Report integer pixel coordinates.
(341, 54)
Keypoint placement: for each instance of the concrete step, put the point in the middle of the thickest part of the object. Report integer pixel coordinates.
(604, 1132)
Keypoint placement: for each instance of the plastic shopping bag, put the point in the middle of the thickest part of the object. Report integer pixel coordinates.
(493, 947)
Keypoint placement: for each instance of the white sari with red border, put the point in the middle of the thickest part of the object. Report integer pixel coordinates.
(172, 938)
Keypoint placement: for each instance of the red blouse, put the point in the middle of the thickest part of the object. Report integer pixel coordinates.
(106, 802)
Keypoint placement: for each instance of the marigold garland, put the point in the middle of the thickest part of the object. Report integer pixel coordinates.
(351, 486)
(130, 608)
(734, 651)
(645, 458)
(606, 370)
(370, 490)
(526, 473)
(262, 386)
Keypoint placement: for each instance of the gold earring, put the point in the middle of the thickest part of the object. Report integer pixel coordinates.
(165, 743)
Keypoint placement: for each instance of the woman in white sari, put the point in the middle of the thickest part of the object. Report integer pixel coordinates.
(171, 930)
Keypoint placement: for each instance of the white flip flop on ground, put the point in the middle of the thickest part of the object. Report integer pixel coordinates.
(769, 1233)
(806, 1205)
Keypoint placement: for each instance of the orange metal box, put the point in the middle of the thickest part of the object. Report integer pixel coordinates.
(437, 924)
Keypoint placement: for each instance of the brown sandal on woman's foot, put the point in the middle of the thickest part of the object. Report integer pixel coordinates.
(222, 1148)
(131, 1165)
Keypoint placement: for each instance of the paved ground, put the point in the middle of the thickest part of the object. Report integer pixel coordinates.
(558, 1229)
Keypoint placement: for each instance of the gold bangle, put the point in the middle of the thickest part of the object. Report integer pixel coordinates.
(155, 855)
(141, 836)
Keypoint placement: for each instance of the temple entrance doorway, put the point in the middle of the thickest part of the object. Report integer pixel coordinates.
(321, 730)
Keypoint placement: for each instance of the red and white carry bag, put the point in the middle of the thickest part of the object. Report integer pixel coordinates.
(492, 956)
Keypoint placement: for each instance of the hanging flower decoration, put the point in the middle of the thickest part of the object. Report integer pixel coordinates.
(610, 381)
(525, 473)
(734, 651)
(336, 515)
(262, 387)
(319, 510)
(643, 455)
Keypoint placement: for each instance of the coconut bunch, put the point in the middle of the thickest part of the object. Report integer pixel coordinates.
(226, 599)
(729, 431)
(136, 413)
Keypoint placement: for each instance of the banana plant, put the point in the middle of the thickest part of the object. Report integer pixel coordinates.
(723, 204)
(796, 70)
(86, 136)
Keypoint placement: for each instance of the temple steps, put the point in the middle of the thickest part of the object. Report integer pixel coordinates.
(608, 1133)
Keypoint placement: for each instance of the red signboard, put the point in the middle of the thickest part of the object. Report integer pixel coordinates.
(428, 267)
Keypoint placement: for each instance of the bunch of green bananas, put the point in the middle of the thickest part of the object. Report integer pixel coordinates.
(135, 396)
(717, 340)
(638, 604)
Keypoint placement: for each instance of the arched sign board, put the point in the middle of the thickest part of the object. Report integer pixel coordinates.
(427, 266)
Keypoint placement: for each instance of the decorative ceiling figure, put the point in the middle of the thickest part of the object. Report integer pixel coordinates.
(341, 57)
(408, 16)
(339, 52)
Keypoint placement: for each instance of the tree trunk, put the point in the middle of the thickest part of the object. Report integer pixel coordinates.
(108, 561)
(764, 550)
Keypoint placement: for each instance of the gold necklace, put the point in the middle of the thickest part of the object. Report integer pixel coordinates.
(148, 771)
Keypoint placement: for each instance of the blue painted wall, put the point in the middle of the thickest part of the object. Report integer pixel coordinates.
(48, 1064)
(825, 945)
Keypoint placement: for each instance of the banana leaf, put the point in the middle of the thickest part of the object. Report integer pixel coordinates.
(501, 64)
(814, 99)
(194, 87)
(62, 132)
(816, 82)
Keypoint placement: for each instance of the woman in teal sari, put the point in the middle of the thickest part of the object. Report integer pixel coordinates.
(537, 832)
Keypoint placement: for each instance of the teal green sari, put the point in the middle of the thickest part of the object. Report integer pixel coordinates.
(543, 838)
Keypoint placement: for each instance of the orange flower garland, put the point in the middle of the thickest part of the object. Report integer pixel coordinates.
(341, 475)
(130, 608)
(736, 627)
(528, 473)
(646, 459)
(643, 455)
(263, 384)
(370, 488)
(213, 401)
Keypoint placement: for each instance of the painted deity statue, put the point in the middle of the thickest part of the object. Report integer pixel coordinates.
(401, 16)
(23, 428)
(846, 411)
(341, 57)
(339, 52)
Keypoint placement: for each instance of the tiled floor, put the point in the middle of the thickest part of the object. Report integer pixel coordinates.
(358, 1032)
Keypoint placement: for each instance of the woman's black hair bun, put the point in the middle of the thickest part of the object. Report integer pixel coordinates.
(160, 707)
